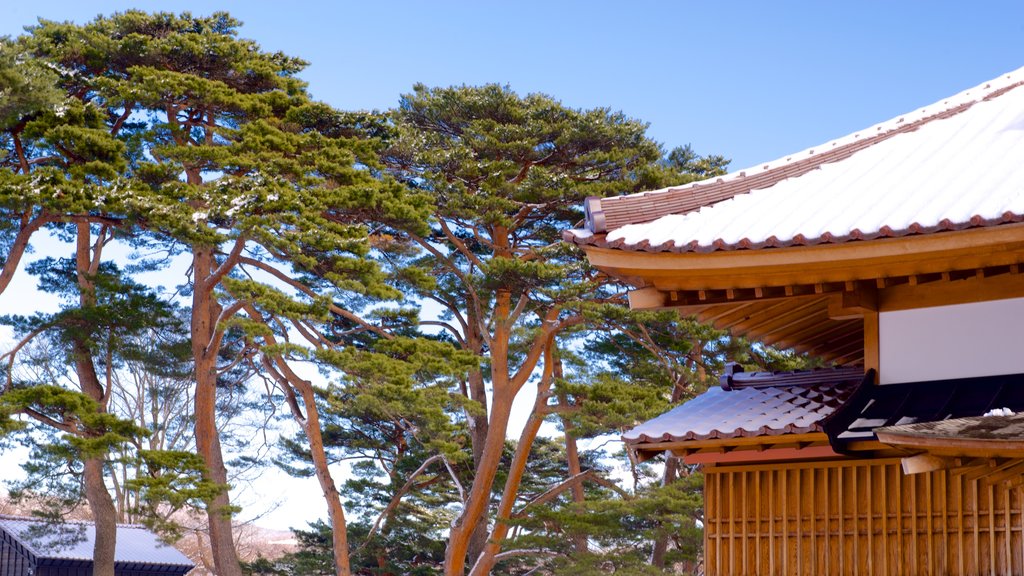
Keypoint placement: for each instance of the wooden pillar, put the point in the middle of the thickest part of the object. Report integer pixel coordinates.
(871, 350)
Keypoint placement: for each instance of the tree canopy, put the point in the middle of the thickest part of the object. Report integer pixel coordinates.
(391, 281)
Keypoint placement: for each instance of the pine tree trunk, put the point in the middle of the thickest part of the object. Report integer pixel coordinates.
(671, 462)
(477, 502)
(488, 557)
(100, 503)
(335, 511)
(104, 517)
(478, 427)
(310, 422)
(572, 457)
(661, 542)
(205, 312)
(505, 388)
(475, 509)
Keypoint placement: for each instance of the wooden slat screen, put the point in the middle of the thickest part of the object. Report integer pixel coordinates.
(859, 517)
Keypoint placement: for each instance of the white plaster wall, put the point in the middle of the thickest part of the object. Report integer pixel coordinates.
(978, 339)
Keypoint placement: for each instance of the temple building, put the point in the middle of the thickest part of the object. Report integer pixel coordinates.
(895, 254)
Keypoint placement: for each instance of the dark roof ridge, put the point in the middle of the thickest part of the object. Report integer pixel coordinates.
(875, 406)
(607, 214)
(734, 377)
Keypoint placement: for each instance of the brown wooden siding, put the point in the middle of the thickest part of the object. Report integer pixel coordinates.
(859, 517)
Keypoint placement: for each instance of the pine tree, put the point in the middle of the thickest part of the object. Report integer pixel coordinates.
(507, 173)
(62, 158)
(262, 165)
(101, 309)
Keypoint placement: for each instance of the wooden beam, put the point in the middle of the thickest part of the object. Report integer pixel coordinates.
(866, 446)
(848, 338)
(971, 289)
(710, 296)
(711, 314)
(949, 445)
(831, 337)
(742, 312)
(813, 327)
(802, 265)
(978, 470)
(771, 320)
(855, 346)
(854, 358)
(1008, 471)
(731, 442)
(926, 463)
(767, 455)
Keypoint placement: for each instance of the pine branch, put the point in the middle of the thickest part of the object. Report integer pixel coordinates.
(396, 500)
(553, 492)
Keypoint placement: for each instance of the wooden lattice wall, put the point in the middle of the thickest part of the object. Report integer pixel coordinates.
(859, 517)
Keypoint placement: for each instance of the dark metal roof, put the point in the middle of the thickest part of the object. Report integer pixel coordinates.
(74, 542)
(875, 406)
(754, 404)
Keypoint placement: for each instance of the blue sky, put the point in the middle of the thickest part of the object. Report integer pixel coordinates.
(753, 81)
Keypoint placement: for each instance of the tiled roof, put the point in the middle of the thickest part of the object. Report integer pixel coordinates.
(953, 165)
(995, 427)
(75, 541)
(762, 409)
(877, 406)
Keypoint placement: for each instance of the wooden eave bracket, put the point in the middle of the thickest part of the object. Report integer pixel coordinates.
(921, 463)
(852, 303)
(646, 298)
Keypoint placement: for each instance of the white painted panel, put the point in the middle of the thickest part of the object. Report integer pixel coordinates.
(978, 339)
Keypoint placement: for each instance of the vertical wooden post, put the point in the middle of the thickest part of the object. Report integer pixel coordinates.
(900, 523)
(991, 528)
(977, 522)
(771, 522)
(758, 527)
(870, 501)
(841, 506)
(799, 508)
(746, 520)
(961, 515)
(785, 520)
(871, 342)
(1007, 531)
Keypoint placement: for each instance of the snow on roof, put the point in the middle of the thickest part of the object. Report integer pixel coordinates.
(952, 165)
(75, 541)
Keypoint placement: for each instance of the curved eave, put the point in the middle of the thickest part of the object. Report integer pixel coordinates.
(953, 445)
(857, 260)
(764, 433)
